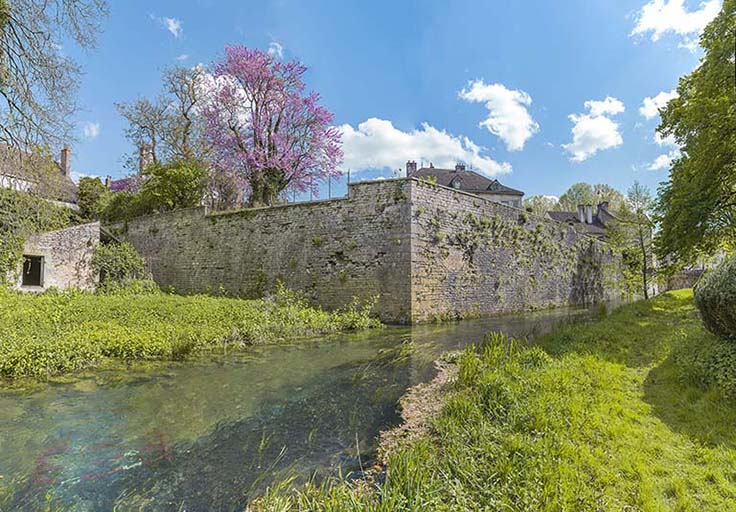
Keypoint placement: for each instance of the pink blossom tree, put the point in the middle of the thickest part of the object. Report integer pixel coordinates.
(266, 129)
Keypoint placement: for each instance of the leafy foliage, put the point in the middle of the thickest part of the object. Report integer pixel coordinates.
(585, 193)
(174, 185)
(21, 215)
(163, 187)
(598, 417)
(118, 263)
(539, 205)
(697, 204)
(715, 296)
(57, 333)
(92, 197)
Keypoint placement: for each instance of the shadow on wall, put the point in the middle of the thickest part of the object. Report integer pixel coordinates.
(587, 284)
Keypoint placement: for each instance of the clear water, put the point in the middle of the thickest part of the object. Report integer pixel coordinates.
(209, 435)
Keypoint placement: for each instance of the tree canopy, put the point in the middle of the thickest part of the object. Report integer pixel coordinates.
(38, 82)
(696, 206)
(266, 128)
(585, 193)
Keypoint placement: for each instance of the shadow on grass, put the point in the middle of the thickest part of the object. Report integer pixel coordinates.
(636, 335)
(701, 414)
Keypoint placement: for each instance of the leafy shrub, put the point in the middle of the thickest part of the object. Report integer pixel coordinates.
(118, 263)
(715, 297)
(709, 364)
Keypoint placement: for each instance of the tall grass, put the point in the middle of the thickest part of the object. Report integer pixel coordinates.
(600, 416)
(57, 333)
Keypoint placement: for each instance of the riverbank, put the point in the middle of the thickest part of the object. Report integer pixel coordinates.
(53, 334)
(633, 411)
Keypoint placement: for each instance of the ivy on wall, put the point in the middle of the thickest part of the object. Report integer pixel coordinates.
(21, 215)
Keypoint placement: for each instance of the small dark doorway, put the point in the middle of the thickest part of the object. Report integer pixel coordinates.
(32, 270)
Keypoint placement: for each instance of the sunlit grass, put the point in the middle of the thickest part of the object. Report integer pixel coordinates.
(600, 416)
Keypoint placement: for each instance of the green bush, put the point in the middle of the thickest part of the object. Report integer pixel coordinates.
(715, 297)
(118, 263)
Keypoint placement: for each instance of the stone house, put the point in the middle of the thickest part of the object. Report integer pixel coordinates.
(585, 220)
(34, 172)
(59, 259)
(460, 178)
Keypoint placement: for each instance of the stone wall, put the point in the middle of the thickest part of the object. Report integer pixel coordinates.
(331, 250)
(472, 256)
(427, 251)
(67, 257)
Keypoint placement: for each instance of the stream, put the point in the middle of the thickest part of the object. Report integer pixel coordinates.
(213, 433)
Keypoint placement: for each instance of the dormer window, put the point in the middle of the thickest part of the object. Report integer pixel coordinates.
(455, 183)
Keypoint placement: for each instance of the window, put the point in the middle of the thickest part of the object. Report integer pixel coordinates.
(32, 271)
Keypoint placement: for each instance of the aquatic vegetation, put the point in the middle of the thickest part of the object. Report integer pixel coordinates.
(600, 416)
(56, 333)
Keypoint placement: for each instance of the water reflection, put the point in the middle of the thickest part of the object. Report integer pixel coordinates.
(206, 435)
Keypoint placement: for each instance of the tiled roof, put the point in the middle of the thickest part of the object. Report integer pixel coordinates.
(25, 166)
(470, 181)
(596, 228)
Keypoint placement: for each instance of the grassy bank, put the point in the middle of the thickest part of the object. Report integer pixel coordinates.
(632, 412)
(56, 333)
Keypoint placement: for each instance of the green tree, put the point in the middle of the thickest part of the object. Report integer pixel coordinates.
(585, 193)
(539, 205)
(696, 206)
(92, 196)
(640, 203)
(174, 185)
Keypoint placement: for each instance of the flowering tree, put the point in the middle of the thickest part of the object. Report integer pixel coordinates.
(266, 129)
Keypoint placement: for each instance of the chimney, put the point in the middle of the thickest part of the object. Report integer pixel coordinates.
(431, 165)
(108, 182)
(581, 213)
(145, 157)
(589, 214)
(65, 162)
(459, 167)
(411, 167)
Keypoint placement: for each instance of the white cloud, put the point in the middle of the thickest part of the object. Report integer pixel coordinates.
(508, 117)
(609, 106)
(665, 141)
(552, 198)
(660, 17)
(91, 130)
(663, 161)
(173, 25)
(595, 131)
(276, 50)
(650, 105)
(182, 57)
(377, 144)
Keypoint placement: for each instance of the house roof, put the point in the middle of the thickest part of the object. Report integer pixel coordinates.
(596, 228)
(470, 181)
(29, 167)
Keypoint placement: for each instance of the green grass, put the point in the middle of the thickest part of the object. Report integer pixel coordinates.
(612, 415)
(57, 333)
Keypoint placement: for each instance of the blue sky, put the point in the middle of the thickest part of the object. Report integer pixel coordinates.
(417, 79)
